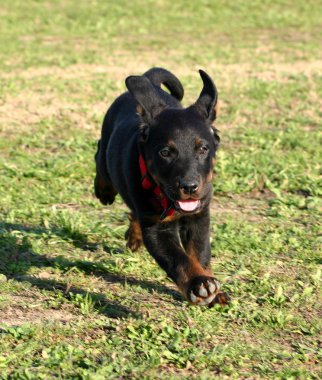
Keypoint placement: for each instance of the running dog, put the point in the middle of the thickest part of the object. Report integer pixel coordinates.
(159, 157)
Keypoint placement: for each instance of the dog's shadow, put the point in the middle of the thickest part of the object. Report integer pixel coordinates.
(18, 256)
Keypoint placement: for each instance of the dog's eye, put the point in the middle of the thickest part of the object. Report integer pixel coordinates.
(165, 153)
(203, 150)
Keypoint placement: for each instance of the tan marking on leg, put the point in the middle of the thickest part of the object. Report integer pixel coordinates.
(191, 270)
(133, 234)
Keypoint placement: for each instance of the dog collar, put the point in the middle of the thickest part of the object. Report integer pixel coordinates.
(148, 183)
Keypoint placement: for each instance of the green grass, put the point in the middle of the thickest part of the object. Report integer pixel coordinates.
(74, 302)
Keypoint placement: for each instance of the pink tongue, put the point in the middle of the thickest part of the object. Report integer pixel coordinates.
(189, 205)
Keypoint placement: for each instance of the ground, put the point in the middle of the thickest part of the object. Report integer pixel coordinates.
(74, 302)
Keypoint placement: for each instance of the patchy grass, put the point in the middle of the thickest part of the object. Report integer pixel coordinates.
(74, 302)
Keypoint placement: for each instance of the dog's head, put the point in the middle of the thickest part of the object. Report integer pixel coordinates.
(179, 144)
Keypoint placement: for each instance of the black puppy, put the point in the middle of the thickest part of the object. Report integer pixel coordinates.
(159, 157)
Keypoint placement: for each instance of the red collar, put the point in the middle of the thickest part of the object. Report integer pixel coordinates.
(159, 197)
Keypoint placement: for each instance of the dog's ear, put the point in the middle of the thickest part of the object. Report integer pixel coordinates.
(207, 101)
(216, 136)
(149, 102)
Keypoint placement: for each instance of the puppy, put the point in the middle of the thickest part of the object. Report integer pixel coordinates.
(159, 157)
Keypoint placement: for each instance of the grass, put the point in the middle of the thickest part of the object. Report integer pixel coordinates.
(74, 302)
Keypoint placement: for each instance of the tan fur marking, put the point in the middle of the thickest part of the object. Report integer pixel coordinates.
(172, 144)
(133, 234)
(197, 142)
(140, 110)
(172, 218)
(192, 270)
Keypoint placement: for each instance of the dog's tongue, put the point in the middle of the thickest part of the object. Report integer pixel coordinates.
(189, 205)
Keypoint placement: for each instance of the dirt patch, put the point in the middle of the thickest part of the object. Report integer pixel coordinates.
(18, 316)
(26, 309)
(29, 108)
(274, 71)
(240, 207)
(119, 69)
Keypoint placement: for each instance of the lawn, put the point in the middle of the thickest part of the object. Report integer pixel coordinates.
(74, 302)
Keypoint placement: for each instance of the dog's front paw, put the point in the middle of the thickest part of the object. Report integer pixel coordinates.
(205, 290)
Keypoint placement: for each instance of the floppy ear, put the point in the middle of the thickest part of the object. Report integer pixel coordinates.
(149, 102)
(207, 101)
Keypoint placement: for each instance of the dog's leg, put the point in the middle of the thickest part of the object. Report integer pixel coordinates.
(103, 186)
(104, 190)
(195, 282)
(194, 234)
(133, 234)
(202, 289)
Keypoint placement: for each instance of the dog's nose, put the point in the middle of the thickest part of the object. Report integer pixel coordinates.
(189, 187)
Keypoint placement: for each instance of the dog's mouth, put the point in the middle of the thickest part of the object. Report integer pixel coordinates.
(188, 205)
(192, 204)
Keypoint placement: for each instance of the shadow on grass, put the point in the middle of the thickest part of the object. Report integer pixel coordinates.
(17, 256)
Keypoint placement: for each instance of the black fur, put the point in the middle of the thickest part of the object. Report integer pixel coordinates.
(178, 145)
